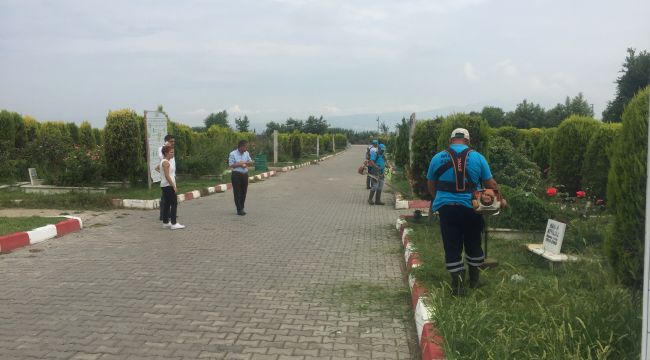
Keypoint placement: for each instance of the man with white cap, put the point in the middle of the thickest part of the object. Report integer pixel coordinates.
(454, 174)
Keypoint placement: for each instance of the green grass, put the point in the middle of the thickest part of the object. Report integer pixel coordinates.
(576, 312)
(70, 201)
(400, 184)
(10, 225)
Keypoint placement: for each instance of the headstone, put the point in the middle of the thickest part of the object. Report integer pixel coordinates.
(553, 236)
(552, 244)
(33, 177)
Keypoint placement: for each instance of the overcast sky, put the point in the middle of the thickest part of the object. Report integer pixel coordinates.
(73, 60)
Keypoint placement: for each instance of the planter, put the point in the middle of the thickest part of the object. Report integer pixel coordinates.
(51, 189)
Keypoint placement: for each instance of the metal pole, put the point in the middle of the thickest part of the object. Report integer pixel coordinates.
(317, 146)
(646, 259)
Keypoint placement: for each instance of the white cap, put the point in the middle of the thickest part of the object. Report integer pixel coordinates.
(460, 133)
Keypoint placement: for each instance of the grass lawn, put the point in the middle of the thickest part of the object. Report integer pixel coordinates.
(400, 184)
(528, 311)
(10, 225)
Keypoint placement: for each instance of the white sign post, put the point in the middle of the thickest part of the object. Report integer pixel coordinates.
(155, 125)
(275, 146)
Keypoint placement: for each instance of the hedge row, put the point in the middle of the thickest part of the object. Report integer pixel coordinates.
(573, 157)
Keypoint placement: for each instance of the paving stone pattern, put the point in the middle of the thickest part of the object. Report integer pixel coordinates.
(226, 287)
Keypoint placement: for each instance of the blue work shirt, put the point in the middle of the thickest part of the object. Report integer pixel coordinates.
(477, 168)
(235, 156)
(379, 160)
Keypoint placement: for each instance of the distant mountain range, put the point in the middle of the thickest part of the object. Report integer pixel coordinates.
(362, 122)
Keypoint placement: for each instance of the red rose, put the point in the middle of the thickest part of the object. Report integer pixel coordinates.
(551, 191)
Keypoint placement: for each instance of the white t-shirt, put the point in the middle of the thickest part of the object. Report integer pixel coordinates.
(172, 173)
(161, 156)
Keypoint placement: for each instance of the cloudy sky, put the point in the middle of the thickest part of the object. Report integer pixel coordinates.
(73, 60)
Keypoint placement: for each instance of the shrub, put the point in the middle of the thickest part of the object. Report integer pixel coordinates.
(7, 127)
(425, 143)
(626, 187)
(341, 141)
(568, 150)
(86, 138)
(542, 151)
(73, 130)
(477, 127)
(82, 167)
(510, 167)
(296, 145)
(597, 159)
(525, 211)
(49, 150)
(122, 146)
(511, 133)
(401, 147)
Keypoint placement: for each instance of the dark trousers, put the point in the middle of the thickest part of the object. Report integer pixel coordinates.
(170, 205)
(239, 189)
(461, 228)
(162, 203)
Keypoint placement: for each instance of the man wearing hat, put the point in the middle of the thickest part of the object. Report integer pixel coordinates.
(371, 148)
(454, 174)
(376, 166)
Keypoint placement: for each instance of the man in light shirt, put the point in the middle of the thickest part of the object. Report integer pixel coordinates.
(238, 161)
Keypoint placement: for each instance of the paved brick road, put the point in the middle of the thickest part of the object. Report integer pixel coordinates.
(287, 281)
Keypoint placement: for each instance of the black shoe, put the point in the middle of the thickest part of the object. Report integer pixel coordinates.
(458, 283)
(378, 198)
(241, 213)
(474, 277)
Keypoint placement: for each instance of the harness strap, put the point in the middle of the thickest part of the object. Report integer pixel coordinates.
(463, 183)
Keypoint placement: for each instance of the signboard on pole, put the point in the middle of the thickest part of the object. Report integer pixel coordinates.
(155, 130)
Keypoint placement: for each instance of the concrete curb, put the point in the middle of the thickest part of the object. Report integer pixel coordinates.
(20, 239)
(429, 339)
(400, 203)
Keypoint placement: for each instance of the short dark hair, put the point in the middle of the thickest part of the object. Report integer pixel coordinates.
(241, 143)
(166, 149)
(168, 137)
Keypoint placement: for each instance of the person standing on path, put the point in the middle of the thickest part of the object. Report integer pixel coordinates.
(169, 141)
(239, 160)
(372, 147)
(168, 186)
(454, 174)
(376, 167)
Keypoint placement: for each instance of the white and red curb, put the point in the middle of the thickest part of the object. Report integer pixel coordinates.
(400, 203)
(190, 195)
(20, 239)
(429, 339)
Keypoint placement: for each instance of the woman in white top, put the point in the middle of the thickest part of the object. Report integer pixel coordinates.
(168, 186)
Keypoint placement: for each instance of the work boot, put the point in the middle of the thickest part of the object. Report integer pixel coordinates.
(372, 194)
(378, 199)
(474, 277)
(458, 283)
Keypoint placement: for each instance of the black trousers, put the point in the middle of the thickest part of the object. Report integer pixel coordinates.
(239, 189)
(461, 228)
(170, 205)
(162, 203)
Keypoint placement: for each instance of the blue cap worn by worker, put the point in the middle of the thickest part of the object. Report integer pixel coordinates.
(375, 142)
(382, 147)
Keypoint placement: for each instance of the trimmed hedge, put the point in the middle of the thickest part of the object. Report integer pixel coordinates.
(425, 144)
(122, 146)
(568, 150)
(542, 151)
(477, 127)
(597, 161)
(626, 192)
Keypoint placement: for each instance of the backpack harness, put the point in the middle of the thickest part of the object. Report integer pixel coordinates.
(463, 182)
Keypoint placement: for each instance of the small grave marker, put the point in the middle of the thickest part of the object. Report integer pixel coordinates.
(551, 247)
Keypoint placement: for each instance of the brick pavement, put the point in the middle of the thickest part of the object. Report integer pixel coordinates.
(287, 281)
